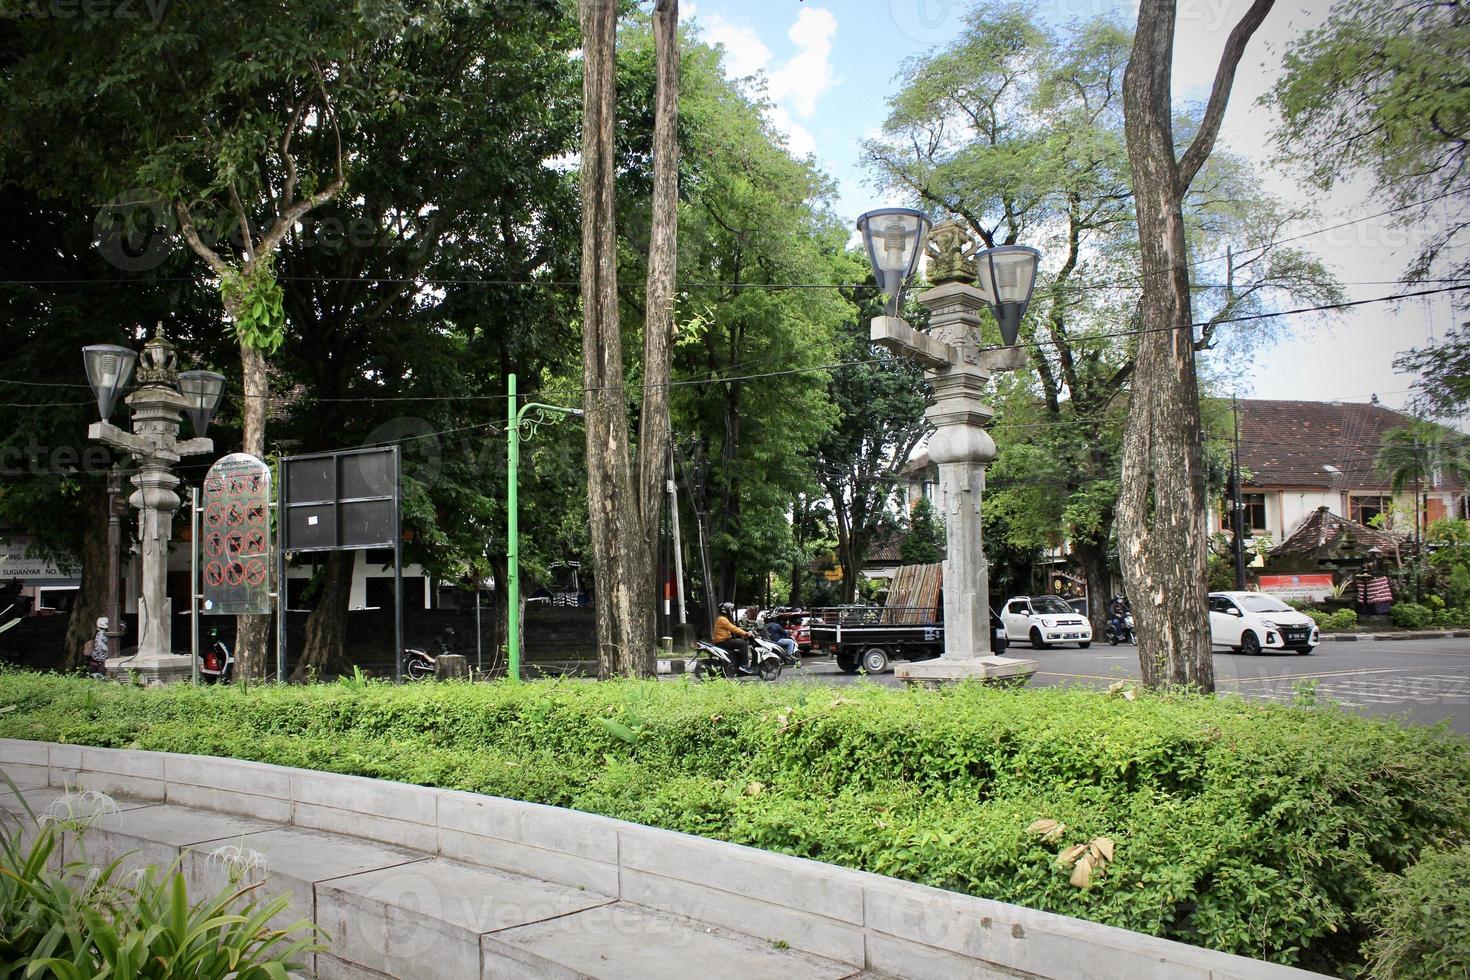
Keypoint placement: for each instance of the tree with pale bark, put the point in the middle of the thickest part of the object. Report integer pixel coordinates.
(1162, 539)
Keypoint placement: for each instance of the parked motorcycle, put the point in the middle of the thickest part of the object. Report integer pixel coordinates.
(419, 665)
(712, 660)
(1125, 634)
(216, 662)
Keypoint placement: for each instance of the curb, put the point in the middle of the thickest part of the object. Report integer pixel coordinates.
(678, 665)
(1371, 637)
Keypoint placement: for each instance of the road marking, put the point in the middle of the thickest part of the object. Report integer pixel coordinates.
(1326, 673)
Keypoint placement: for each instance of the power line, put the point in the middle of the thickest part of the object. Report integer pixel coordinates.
(727, 379)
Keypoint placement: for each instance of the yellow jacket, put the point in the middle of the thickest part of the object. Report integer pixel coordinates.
(724, 629)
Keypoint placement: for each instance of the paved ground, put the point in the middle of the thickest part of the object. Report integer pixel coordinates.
(1425, 681)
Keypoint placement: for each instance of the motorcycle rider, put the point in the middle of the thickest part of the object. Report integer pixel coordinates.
(734, 639)
(1118, 608)
(781, 638)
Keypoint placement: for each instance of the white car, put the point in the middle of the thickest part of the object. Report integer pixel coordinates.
(1254, 621)
(1044, 619)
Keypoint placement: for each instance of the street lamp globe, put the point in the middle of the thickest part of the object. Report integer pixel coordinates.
(109, 368)
(894, 240)
(203, 389)
(1006, 275)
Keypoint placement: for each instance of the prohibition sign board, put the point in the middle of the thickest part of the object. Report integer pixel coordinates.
(236, 537)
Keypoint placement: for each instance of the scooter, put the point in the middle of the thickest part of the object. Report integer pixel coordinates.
(715, 661)
(418, 665)
(1125, 635)
(216, 662)
(759, 637)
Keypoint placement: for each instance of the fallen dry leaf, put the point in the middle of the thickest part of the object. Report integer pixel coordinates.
(1069, 857)
(1104, 846)
(754, 788)
(1082, 873)
(1129, 695)
(1042, 826)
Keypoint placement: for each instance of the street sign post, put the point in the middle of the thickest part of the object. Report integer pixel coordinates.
(341, 501)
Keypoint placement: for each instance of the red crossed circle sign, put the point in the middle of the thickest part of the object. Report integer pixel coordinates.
(254, 543)
(254, 571)
(214, 514)
(214, 573)
(214, 543)
(235, 573)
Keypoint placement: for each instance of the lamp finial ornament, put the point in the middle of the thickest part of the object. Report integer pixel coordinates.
(951, 253)
(159, 363)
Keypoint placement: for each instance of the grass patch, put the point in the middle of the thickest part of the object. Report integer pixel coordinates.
(1264, 830)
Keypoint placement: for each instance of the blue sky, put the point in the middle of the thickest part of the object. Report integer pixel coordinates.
(830, 65)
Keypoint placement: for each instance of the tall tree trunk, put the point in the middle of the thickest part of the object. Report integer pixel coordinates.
(253, 633)
(658, 327)
(1092, 555)
(91, 600)
(619, 552)
(324, 651)
(1161, 531)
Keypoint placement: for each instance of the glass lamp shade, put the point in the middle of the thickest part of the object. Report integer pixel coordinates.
(894, 239)
(203, 389)
(109, 368)
(1006, 275)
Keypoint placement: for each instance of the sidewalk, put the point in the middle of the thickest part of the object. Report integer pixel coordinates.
(395, 912)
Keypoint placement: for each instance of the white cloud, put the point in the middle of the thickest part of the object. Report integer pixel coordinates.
(744, 53)
(798, 138)
(808, 73)
(794, 84)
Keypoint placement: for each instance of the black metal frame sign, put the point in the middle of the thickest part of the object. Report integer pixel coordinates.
(341, 501)
(346, 500)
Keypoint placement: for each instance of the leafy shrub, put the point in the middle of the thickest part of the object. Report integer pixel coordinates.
(1255, 828)
(82, 921)
(1343, 619)
(1434, 602)
(1410, 615)
(1424, 917)
(1451, 619)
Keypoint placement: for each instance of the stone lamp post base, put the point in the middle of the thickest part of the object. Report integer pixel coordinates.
(152, 670)
(989, 669)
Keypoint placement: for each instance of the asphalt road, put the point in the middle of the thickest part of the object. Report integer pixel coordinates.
(1423, 681)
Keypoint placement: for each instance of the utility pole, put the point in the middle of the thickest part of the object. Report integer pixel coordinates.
(1237, 505)
(1418, 523)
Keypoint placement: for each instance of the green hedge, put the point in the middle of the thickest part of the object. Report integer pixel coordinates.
(1258, 829)
(1342, 619)
(1424, 918)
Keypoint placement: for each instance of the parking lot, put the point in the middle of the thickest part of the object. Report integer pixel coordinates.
(1425, 681)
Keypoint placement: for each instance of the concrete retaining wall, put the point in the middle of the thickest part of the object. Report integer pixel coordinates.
(863, 920)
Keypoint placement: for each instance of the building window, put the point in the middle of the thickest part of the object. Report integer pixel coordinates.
(1364, 509)
(1253, 508)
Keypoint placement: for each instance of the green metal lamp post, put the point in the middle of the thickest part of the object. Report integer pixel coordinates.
(515, 418)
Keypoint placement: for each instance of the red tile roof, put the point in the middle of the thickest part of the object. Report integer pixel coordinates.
(1326, 445)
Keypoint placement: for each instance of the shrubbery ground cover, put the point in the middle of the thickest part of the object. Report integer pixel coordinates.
(1264, 830)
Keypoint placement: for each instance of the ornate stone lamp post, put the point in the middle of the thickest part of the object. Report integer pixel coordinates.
(958, 371)
(158, 404)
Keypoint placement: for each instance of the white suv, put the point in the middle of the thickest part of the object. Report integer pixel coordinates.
(1254, 621)
(1044, 619)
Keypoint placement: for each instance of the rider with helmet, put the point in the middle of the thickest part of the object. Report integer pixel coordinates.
(1118, 608)
(731, 637)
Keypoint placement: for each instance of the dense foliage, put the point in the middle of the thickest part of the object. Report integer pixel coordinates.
(1261, 830)
(1425, 916)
